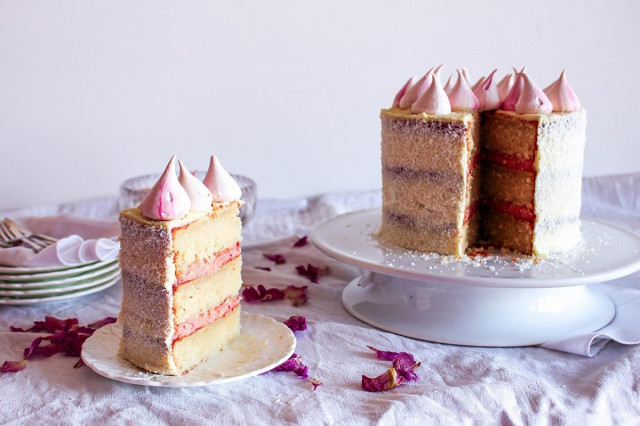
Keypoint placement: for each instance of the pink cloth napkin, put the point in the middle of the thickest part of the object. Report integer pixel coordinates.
(81, 240)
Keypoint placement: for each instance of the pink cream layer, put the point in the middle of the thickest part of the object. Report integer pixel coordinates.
(207, 266)
(194, 324)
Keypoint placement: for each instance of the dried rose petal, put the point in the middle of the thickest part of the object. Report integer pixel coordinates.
(404, 366)
(406, 371)
(296, 323)
(386, 355)
(297, 295)
(311, 272)
(26, 354)
(277, 258)
(103, 322)
(13, 366)
(315, 383)
(261, 294)
(301, 243)
(67, 337)
(384, 382)
(78, 364)
(295, 365)
(50, 325)
(263, 268)
(407, 358)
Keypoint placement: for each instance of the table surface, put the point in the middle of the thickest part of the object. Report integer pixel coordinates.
(456, 384)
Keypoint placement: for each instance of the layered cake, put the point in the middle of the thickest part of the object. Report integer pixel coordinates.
(522, 192)
(180, 259)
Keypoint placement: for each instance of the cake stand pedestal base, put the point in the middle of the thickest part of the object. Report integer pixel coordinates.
(474, 315)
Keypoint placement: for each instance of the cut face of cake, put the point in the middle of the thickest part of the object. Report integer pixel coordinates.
(532, 180)
(523, 192)
(181, 276)
(430, 180)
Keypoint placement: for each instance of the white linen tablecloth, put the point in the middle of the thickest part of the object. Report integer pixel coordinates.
(530, 385)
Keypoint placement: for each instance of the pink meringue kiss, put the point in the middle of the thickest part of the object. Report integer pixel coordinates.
(562, 96)
(198, 193)
(478, 83)
(223, 187)
(505, 85)
(400, 94)
(466, 75)
(415, 91)
(461, 96)
(167, 199)
(532, 99)
(488, 94)
(434, 100)
(511, 100)
(449, 85)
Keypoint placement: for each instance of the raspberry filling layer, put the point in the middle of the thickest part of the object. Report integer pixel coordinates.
(203, 267)
(470, 211)
(512, 162)
(194, 324)
(518, 211)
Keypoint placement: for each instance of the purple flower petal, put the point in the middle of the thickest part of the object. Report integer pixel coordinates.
(384, 382)
(263, 268)
(13, 366)
(295, 365)
(261, 294)
(104, 321)
(311, 272)
(277, 258)
(301, 243)
(296, 323)
(315, 383)
(26, 354)
(386, 355)
(297, 295)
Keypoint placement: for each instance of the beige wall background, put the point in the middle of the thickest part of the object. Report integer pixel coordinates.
(287, 92)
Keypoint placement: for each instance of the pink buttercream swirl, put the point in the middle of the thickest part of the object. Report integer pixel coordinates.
(198, 193)
(223, 187)
(167, 199)
(434, 100)
(562, 96)
(488, 94)
(532, 99)
(461, 96)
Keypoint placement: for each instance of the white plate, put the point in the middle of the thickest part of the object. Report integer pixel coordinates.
(10, 285)
(607, 252)
(263, 344)
(90, 282)
(47, 299)
(32, 274)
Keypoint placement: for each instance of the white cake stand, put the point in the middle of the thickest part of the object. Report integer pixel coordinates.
(486, 301)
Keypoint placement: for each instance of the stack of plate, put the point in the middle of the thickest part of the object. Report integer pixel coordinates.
(28, 285)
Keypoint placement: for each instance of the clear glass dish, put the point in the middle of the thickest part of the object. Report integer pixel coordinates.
(133, 190)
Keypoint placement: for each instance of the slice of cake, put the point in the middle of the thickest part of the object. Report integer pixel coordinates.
(430, 178)
(180, 260)
(532, 162)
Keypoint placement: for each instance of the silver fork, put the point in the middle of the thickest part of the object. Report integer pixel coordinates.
(12, 234)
